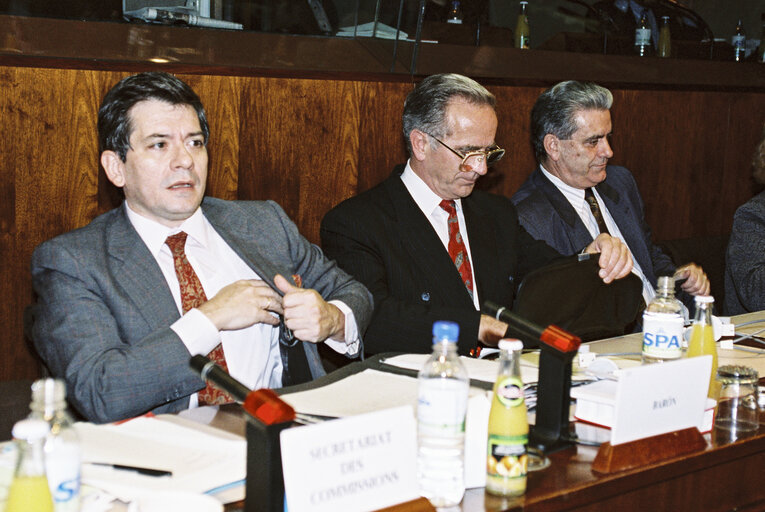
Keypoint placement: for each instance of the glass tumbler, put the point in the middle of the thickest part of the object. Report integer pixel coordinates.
(737, 407)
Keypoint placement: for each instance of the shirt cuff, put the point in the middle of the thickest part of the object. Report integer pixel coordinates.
(349, 347)
(197, 332)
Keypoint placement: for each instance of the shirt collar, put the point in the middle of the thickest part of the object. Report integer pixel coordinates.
(426, 199)
(573, 194)
(154, 234)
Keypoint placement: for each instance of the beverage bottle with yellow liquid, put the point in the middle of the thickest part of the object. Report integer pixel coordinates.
(665, 38)
(507, 458)
(522, 30)
(702, 340)
(29, 490)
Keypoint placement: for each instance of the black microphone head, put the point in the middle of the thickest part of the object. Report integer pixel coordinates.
(198, 363)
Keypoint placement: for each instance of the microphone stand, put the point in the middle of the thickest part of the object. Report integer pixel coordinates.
(557, 349)
(268, 415)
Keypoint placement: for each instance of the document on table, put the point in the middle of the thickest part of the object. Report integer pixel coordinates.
(200, 457)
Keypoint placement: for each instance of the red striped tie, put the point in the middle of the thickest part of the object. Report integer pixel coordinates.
(457, 250)
(192, 296)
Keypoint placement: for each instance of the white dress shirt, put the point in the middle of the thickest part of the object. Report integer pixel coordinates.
(429, 203)
(575, 196)
(252, 354)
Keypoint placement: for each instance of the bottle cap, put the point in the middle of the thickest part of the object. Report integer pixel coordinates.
(48, 392)
(445, 331)
(524, 2)
(665, 18)
(30, 430)
(704, 299)
(666, 283)
(510, 345)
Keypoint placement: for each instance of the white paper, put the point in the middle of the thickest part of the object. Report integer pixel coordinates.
(200, 458)
(354, 464)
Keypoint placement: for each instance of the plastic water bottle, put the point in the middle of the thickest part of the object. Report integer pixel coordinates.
(663, 324)
(643, 44)
(62, 448)
(738, 41)
(441, 408)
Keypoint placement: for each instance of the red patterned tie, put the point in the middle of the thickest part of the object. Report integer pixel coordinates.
(193, 295)
(457, 250)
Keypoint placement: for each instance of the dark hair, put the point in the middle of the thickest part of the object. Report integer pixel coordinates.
(425, 107)
(114, 123)
(555, 110)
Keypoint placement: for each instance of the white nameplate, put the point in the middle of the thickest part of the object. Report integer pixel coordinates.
(359, 463)
(657, 398)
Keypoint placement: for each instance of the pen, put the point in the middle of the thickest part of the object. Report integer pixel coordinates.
(135, 469)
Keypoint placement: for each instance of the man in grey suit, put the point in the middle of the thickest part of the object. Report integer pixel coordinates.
(108, 318)
(570, 128)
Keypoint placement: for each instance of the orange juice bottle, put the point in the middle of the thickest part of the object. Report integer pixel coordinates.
(702, 340)
(29, 490)
(507, 459)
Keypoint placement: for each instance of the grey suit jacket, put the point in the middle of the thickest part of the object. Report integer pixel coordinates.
(103, 310)
(547, 215)
(745, 259)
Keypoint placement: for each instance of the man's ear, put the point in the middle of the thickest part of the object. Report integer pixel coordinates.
(420, 142)
(552, 146)
(114, 167)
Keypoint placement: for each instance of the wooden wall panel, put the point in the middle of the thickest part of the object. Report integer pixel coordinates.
(309, 143)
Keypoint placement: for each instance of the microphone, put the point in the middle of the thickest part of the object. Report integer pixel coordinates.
(552, 335)
(262, 404)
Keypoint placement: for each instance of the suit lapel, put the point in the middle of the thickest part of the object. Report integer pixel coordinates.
(576, 231)
(137, 274)
(423, 244)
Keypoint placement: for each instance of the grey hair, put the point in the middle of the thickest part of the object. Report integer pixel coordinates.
(425, 107)
(555, 110)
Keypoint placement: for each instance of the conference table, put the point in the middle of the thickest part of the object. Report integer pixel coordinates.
(725, 475)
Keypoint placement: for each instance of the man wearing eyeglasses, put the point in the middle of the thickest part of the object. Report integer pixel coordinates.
(573, 195)
(426, 245)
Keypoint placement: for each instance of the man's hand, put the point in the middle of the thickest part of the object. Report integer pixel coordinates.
(696, 281)
(308, 315)
(242, 304)
(615, 258)
(491, 330)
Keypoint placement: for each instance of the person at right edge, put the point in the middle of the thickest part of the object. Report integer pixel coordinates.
(574, 196)
(745, 258)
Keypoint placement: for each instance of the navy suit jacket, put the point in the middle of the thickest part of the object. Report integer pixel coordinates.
(547, 215)
(383, 239)
(103, 315)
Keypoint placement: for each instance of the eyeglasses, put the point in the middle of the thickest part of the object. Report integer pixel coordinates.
(473, 159)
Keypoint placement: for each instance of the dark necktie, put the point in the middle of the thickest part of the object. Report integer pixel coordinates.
(192, 296)
(457, 249)
(589, 196)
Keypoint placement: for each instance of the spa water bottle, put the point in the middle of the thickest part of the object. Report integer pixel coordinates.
(62, 447)
(441, 408)
(663, 324)
(643, 44)
(738, 42)
(29, 491)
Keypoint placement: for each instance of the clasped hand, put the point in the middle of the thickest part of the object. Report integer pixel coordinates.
(250, 301)
(615, 259)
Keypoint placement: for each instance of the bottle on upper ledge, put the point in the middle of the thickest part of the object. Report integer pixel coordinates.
(455, 13)
(665, 39)
(522, 30)
(643, 44)
(738, 41)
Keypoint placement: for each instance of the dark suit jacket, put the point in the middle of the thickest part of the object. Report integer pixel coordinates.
(103, 315)
(382, 238)
(745, 259)
(547, 215)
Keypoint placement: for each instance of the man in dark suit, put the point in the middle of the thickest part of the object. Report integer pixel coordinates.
(424, 260)
(570, 128)
(113, 316)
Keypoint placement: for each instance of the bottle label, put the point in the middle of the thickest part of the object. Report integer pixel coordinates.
(62, 465)
(738, 41)
(509, 391)
(642, 36)
(662, 335)
(507, 457)
(441, 406)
